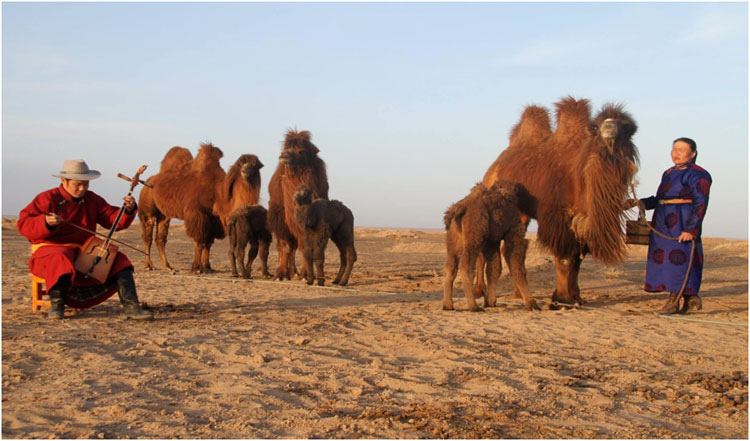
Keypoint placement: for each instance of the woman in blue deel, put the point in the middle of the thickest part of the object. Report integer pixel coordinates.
(679, 208)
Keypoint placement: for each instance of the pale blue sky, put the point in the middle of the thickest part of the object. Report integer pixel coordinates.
(409, 103)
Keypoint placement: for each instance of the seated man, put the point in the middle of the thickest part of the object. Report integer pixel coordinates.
(46, 223)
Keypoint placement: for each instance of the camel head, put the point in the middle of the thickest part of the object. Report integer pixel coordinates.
(298, 149)
(614, 128)
(249, 166)
(303, 195)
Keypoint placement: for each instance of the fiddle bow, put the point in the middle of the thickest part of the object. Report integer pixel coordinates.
(106, 247)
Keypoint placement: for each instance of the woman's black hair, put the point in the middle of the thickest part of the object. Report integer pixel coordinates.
(691, 143)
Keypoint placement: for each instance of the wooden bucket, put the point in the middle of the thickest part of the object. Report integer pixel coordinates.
(637, 232)
(89, 252)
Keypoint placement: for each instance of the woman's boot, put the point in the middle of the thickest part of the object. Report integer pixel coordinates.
(672, 306)
(692, 304)
(129, 297)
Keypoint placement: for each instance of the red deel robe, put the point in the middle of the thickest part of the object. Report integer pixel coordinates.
(56, 258)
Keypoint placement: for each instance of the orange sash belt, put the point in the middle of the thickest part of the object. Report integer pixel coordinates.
(36, 246)
(675, 201)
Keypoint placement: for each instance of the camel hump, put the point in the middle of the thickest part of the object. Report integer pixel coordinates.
(175, 158)
(572, 116)
(208, 151)
(534, 126)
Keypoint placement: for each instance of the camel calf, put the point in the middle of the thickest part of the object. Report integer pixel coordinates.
(320, 220)
(478, 224)
(247, 224)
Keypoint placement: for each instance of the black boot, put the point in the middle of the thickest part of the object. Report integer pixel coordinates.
(129, 297)
(57, 295)
(672, 306)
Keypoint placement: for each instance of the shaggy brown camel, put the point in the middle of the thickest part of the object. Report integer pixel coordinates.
(578, 179)
(247, 225)
(200, 193)
(298, 164)
(476, 225)
(320, 220)
(152, 220)
(187, 192)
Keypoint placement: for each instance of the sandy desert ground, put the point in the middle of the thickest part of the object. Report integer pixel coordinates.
(233, 358)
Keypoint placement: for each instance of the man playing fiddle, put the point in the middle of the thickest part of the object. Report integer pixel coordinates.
(55, 223)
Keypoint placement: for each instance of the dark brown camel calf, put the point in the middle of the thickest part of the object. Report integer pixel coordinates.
(476, 225)
(245, 225)
(319, 220)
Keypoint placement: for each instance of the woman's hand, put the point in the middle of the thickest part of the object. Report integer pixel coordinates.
(685, 237)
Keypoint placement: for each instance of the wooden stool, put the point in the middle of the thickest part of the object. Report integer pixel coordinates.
(38, 289)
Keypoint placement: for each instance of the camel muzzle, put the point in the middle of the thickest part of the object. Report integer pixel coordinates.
(609, 129)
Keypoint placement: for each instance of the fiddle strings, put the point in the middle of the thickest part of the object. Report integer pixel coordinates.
(101, 235)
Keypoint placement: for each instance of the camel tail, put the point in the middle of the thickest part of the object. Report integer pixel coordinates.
(455, 213)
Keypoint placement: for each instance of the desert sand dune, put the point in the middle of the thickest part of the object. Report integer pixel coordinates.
(233, 358)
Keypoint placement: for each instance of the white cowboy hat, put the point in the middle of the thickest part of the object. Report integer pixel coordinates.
(77, 170)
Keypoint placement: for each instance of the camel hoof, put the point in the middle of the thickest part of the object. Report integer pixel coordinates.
(532, 306)
(446, 308)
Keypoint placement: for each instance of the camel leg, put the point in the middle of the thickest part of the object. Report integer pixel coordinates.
(479, 287)
(147, 230)
(292, 262)
(515, 255)
(304, 270)
(351, 257)
(284, 249)
(344, 241)
(468, 270)
(493, 269)
(320, 275)
(348, 256)
(516, 292)
(451, 271)
(162, 232)
(343, 260)
(567, 290)
(233, 245)
(307, 260)
(263, 251)
(196, 266)
(233, 259)
(251, 255)
(205, 263)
